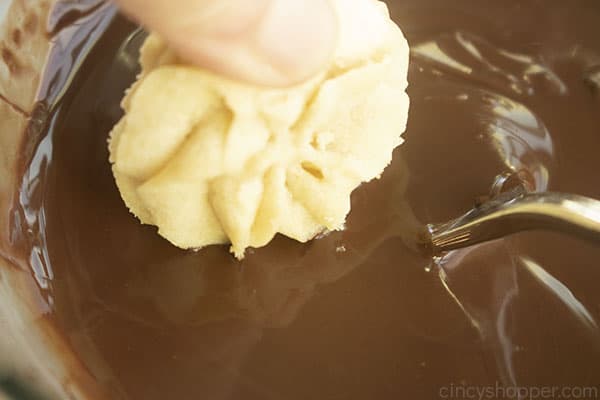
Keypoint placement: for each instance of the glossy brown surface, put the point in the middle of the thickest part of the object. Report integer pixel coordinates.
(495, 87)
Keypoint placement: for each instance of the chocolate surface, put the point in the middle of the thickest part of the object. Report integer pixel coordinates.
(496, 87)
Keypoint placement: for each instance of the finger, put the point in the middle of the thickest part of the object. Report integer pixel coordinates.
(268, 42)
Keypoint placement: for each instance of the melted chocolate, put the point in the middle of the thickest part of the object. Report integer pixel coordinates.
(495, 88)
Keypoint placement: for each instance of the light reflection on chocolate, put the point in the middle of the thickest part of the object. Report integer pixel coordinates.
(355, 314)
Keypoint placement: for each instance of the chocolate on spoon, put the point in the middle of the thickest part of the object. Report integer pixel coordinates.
(514, 211)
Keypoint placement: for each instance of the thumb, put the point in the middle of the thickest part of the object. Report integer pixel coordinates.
(267, 42)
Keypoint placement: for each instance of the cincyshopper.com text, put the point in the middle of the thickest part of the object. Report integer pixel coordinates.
(501, 392)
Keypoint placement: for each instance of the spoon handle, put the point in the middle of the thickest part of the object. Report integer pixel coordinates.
(508, 214)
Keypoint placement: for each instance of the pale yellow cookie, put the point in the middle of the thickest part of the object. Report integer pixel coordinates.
(209, 161)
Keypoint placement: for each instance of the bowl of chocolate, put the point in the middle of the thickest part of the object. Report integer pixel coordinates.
(95, 305)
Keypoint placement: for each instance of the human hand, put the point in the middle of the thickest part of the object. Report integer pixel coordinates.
(266, 42)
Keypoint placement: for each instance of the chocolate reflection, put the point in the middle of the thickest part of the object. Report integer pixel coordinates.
(469, 55)
(354, 314)
(270, 287)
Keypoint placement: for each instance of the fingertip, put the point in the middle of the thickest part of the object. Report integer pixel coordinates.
(298, 38)
(291, 42)
(273, 42)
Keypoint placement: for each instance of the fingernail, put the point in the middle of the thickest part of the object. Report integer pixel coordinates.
(297, 37)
